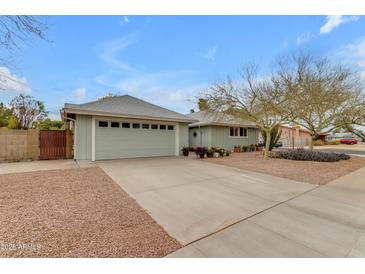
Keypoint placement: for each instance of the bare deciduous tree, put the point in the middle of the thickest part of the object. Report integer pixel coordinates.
(14, 32)
(259, 100)
(27, 111)
(321, 92)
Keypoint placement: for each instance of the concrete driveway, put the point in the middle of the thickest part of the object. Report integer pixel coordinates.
(192, 198)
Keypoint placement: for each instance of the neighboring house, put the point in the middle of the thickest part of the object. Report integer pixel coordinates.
(220, 130)
(294, 136)
(341, 135)
(125, 127)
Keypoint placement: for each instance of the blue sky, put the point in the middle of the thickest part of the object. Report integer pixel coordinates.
(167, 60)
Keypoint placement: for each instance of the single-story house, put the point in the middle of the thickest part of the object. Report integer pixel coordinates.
(294, 136)
(125, 127)
(215, 129)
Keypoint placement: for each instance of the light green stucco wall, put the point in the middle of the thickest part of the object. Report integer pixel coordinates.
(83, 137)
(183, 136)
(202, 138)
(221, 138)
(218, 136)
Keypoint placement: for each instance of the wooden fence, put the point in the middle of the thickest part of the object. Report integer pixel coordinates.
(32, 144)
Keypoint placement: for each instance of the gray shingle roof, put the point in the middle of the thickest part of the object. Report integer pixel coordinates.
(216, 118)
(126, 105)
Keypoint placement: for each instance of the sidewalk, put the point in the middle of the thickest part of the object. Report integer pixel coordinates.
(30, 166)
(327, 221)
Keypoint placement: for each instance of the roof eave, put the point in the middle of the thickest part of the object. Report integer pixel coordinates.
(102, 113)
(220, 124)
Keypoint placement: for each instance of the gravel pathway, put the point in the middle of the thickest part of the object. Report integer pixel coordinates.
(305, 171)
(75, 213)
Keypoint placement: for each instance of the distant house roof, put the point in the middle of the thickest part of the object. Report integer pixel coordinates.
(126, 106)
(206, 118)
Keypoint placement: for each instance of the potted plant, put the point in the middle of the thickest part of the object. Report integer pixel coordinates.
(222, 152)
(252, 147)
(215, 152)
(210, 153)
(259, 147)
(228, 152)
(201, 151)
(244, 148)
(236, 149)
(185, 151)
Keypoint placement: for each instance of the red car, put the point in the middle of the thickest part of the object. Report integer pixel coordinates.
(348, 141)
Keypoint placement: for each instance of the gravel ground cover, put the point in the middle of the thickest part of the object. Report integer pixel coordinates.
(75, 213)
(304, 171)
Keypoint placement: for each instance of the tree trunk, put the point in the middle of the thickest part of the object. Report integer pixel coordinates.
(311, 143)
(267, 144)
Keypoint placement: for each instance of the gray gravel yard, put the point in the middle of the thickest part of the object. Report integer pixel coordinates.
(75, 213)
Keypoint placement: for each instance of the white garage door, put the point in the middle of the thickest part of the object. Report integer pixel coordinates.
(127, 139)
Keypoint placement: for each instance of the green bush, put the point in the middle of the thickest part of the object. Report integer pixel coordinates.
(210, 153)
(245, 148)
(334, 142)
(318, 143)
(301, 154)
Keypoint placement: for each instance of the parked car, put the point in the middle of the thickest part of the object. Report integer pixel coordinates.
(278, 144)
(348, 141)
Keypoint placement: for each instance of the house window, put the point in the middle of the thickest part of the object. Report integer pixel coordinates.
(126, 125)
(163, 127)
(243, 132)
(103, 123)
(136, 125)
(114, 124)
(238, 132)
(170, 127)
(154, 126)
(146, 126)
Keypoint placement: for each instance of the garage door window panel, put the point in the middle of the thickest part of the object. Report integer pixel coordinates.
(135, 125)
(103, 123)
(126, 125)
(154, 126)
(145, 126)
(114, 124)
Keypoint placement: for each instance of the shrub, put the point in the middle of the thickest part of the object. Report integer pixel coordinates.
(245, 148)
(318, 143)
(334, 142)
(222, 152)
(252, 147)
(227, 153)
(185, 151)
(210, 153)
(301, 154)
(201, 151)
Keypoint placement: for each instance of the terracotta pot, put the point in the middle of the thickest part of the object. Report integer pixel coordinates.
(237, 149)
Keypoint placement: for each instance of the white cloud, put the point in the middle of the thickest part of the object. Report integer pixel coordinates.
(124, 20)
(111, 49)
(13, 83)
(210, 54)
(79, 93)
(54, 116)
(304, 38)
(170, 89)
(354, 53)
(333, 21)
